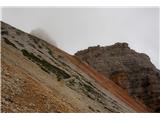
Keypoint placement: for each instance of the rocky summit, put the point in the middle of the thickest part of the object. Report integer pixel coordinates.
(129, 69)
(39, 77)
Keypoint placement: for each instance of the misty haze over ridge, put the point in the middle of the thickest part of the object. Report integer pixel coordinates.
(78, 28)
(40, 33)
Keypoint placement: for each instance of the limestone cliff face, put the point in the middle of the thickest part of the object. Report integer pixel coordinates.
(132, 71)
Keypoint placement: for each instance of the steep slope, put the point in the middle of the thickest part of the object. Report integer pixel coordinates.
(132, 71)
(38, 77)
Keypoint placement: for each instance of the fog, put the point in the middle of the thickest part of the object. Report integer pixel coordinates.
(75, 29)
(40, 33)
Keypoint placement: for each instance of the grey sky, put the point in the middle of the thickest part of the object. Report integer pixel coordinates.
(74, 29)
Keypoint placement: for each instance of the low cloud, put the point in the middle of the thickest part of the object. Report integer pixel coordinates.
(40, 33)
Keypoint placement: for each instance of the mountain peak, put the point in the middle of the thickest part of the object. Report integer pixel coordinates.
(39, 77)
(129, 69)
(120, 45)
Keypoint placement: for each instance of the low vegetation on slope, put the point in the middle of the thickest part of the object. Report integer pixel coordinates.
(49, 81)
(46, 66)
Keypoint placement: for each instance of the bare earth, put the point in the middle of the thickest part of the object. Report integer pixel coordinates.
(38, 77)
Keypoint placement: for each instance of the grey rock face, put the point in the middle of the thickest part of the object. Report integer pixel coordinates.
(38, 77)
(131, 70)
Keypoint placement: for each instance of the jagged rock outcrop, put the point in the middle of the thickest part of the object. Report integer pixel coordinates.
(39, 77)
(132, 71)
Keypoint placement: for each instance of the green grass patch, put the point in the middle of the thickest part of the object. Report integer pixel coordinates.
(19, 43)
(18, 32)
(46, 66)
(9, 43)
(50, 52)
(88, 88)
(4, 32)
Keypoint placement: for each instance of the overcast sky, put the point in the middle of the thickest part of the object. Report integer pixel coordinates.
(75, 29)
